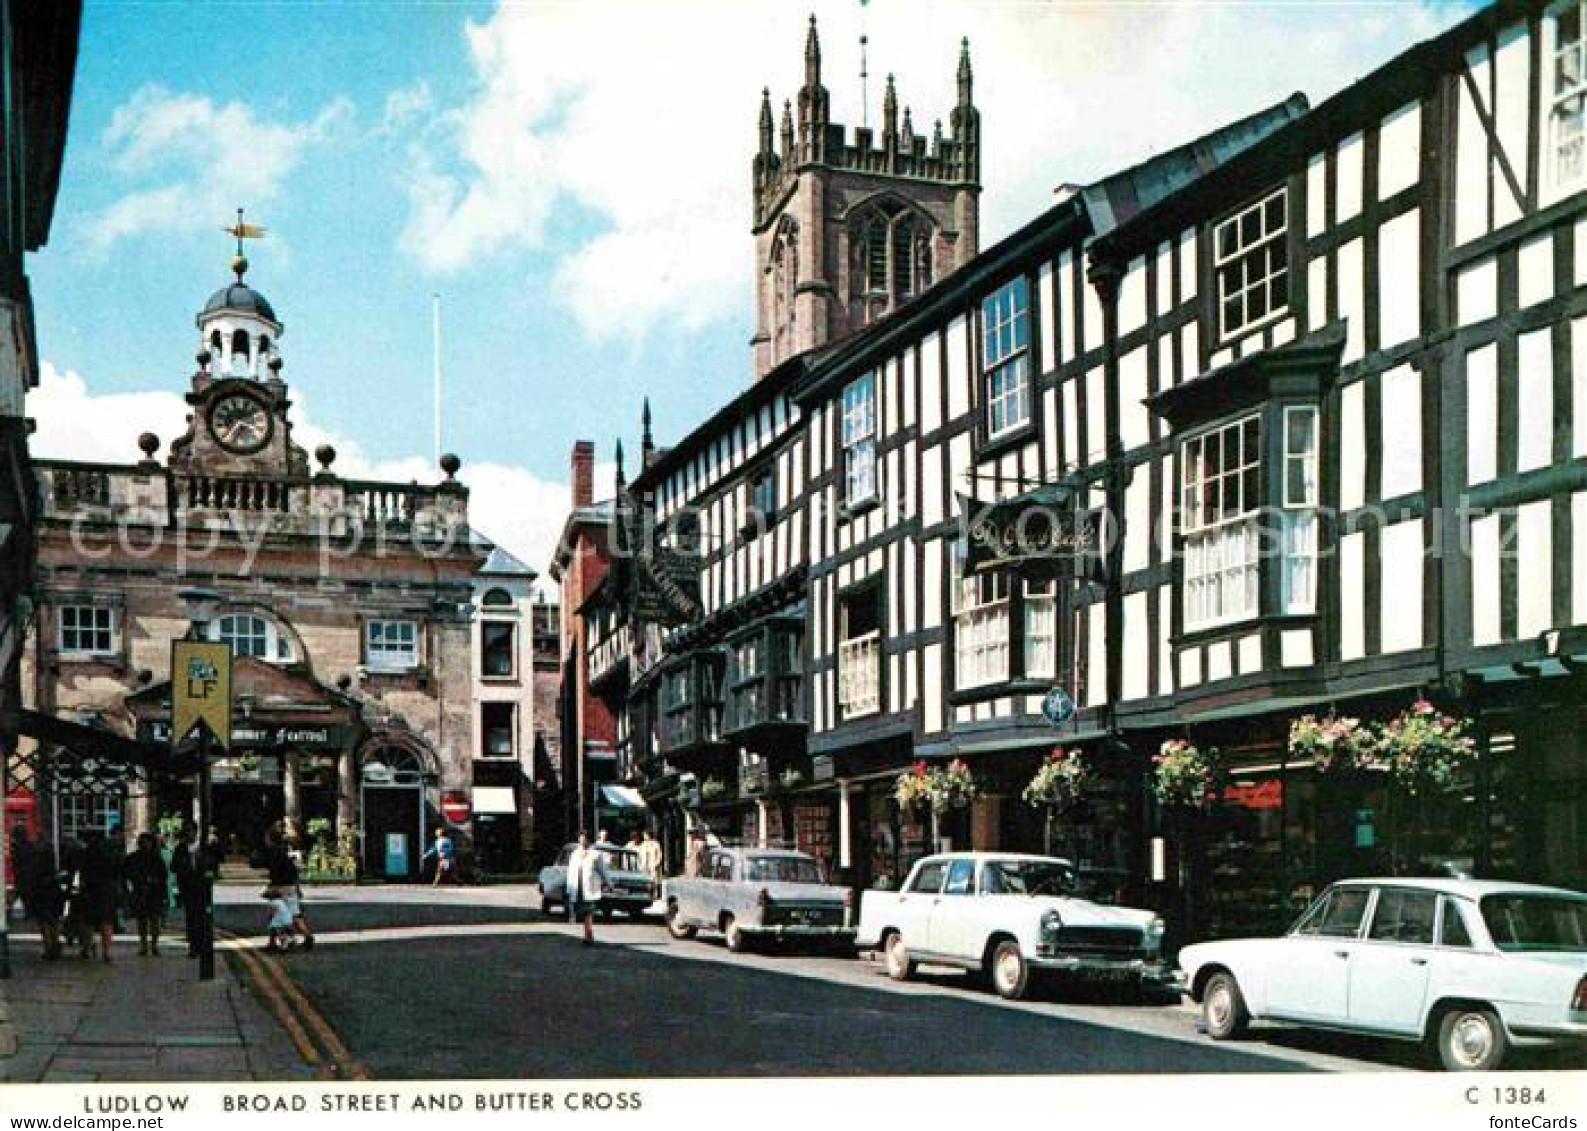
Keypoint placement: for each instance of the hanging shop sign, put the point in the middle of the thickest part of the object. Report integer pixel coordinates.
(1256, 795)
(201, 691)
(1041, 528)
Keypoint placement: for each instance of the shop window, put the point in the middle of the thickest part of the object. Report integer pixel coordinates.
(1251, 265)
(391, 645)
(498, 649)
(87, 630)
(497, 730)
(82, 812)
(1005, 358)
(859, 441)
(860, 652)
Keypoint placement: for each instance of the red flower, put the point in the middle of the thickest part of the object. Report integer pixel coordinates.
(1422, 707)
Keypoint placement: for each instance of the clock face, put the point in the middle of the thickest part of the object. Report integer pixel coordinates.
(240, 423)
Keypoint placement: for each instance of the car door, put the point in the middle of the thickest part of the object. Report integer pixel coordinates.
(1390, 967)
(916, 901)
(556, 884)
(1308, 976)
(953, 922)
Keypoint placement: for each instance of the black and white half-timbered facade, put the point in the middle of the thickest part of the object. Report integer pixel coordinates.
(1317, 382)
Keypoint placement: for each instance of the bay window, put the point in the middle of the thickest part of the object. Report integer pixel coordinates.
(764, 672)
(981, 629)
(1041, 621)
(1221, 499)
(860, 652)
(1299, 576)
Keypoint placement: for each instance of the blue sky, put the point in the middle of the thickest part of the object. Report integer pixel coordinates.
(571, 178)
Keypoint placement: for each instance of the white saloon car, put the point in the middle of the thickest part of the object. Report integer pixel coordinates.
(1471, 967)
(1008, 916)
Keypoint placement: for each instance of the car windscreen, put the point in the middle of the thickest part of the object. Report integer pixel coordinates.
(1536, 922)
(1027, 877)
(619, 860)
(782, 870)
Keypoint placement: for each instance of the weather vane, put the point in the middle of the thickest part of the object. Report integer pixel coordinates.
(244, 231)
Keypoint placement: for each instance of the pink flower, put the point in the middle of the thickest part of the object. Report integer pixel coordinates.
(1422, 707)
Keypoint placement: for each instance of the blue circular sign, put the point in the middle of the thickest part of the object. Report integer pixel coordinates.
(1057, 707)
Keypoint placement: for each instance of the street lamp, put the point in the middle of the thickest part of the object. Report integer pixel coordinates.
(201, 607)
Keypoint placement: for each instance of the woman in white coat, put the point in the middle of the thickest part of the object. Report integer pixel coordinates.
(586, 882)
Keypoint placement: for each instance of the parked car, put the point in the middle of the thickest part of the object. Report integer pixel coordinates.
(628, 889)
(1009, 916)
(1472, 968)
(759, 894)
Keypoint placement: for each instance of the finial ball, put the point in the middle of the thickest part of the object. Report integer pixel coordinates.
(450, 463)
(148, 444)
(326, 455)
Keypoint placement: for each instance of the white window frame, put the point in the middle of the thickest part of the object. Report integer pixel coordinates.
(277, 647)
(1565, 98)
(981, 623)
(857, 414)
(1040, 615)
(512, 650)
(1298, 575)
(80, 639)
(859, 663)
(1005, 357)
(389, 655)
(1221, 565)
(1239, 258)
(78, 812)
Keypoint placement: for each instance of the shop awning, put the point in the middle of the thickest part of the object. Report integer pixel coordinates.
(622, 797)
(494, 799)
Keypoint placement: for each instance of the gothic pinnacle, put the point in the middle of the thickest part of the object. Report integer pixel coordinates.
(966, 78)
(646, 440)
(812, 56)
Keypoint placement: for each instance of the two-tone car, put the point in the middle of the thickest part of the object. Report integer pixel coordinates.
(1472, 968)
(755, 895)
(1009, 916)
(628, 887)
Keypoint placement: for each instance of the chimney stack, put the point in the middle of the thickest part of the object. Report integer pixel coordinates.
(583, 473)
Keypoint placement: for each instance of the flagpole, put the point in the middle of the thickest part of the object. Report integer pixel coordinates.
(435, 308)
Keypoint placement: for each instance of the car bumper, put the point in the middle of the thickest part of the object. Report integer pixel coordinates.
(628, 901)
(800, 931)
(1149, 971)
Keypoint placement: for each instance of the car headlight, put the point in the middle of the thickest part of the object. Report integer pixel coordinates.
(1156, 927)
(1051, 923)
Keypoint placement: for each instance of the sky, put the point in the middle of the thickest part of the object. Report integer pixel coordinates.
(572, 179)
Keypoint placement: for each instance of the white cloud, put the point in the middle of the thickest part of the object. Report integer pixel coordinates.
(189, 156)
(508, 504)
(644, 115)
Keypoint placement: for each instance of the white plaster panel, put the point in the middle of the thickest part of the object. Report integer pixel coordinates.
(1535, 388)
(1352, 597)
(1399, 150)
(1482, 414)
(1400, 591)
(1402, 431)
(1535, 572)
(1399, 275)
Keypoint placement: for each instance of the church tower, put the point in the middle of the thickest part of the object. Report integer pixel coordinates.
(849, 229)
(239, 424)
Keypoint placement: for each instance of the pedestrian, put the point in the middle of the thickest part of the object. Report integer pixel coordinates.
(147, 882)
(192, 866)
(39, 888)
(650, 860)
(285, 887)
(586, 882)
(696, 857)
(445, 853)
(98, 888)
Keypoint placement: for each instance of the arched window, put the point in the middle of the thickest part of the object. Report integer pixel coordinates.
(239, 352)
(393, 765)
(496, 598)
(890, 258)
(252, 635)
(784, 285)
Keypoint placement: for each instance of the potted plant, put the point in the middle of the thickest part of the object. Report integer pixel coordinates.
(330, 857)
(1333, 742)
(1060, 779)
(1423, 748)
(1181, 774)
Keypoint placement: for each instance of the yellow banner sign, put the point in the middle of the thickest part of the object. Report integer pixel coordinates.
(200, 691)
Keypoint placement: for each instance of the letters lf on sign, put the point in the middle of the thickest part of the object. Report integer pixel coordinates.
(201, 690)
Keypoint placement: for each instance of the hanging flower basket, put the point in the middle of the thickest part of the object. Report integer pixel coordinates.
(1060, 781)
(1424, 749)
(941, 789)
(1333, 742)
(1181, 774)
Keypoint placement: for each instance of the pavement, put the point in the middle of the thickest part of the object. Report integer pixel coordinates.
(135, 1018)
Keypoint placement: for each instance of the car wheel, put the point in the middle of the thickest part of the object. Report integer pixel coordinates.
(736, 942)
(899, 965)
(1009, 971)
(1223, 1011)
(1471, 1040)
(676, 927)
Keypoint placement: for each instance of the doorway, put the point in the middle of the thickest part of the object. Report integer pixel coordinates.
(241, 813)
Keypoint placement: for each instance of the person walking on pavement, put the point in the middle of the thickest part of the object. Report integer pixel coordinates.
(192, 866)
(445, 853)
(285, 883)
(696, 857)
(98, 885)
(650, 860)
(39, 888)
(587, 880)
(147, 884)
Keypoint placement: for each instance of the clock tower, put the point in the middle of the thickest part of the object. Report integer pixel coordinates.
(239, 423)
